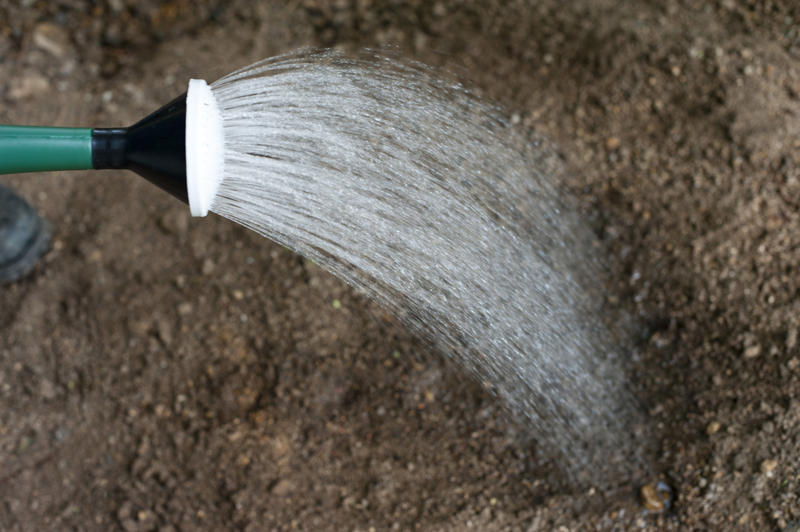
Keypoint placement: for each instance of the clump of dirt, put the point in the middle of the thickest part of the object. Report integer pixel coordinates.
(160, 372)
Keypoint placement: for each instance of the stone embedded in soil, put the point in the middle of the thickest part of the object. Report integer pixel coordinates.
(51, 38)
(282, 488)
(752, 351)
(713, 427)
(791, 338)
(165, 332)
(768, 467)
(146, 519)
(175, 222)
(661, 339)
(27, 86)
(656, 497)
(47, 389)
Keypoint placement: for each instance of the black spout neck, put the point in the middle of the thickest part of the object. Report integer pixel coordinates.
(154, 147)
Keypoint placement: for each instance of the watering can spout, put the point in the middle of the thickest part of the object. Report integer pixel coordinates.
(154, 147)
(179, 148)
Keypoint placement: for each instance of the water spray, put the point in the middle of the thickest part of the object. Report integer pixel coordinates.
(416, 192)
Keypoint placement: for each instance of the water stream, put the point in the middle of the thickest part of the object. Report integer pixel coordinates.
(424, 197)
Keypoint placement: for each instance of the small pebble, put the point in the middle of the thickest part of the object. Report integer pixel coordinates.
(661, 339)
(656, 497)
(282, 488)
(51, 38)
(791, 338)
(47, 389)
(752, 351)
(174, 222)
(768, 467)
(28, 85)
(713, 427)
(165, 332)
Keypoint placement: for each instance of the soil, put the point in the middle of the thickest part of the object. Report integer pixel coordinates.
(165, 373)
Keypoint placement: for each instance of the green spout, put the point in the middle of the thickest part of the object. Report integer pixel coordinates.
(41, 149)
(154, 147)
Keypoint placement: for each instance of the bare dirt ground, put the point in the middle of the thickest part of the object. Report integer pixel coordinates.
(164, 373)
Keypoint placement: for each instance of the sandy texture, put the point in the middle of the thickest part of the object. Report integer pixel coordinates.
(163, 373)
